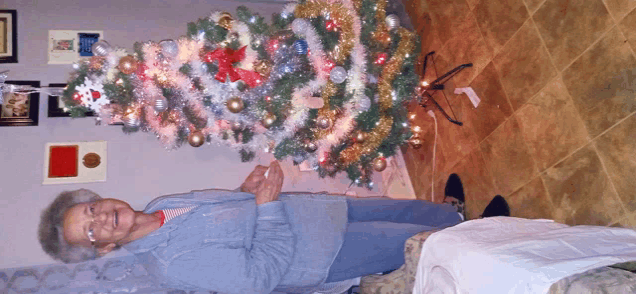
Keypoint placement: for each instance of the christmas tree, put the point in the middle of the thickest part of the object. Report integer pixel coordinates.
(326, 82)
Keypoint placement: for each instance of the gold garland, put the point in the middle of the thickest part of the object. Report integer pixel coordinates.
(339, 14)
(381, 34)
(339, 54)
(381, 131)
(327, 91)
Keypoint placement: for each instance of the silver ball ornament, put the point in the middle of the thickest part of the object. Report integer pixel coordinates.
(364, 104)
(161, 104)
(324, 123)
(101, 48)
(300, 25)
(131, 120)
(392, 21)
(338, 74)
(170, 48)
(311, 147)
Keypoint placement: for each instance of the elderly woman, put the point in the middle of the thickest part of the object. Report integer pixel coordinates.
(255, 240)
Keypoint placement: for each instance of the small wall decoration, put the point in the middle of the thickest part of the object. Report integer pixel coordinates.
(8, 36)
(74, 162)
(56, 106)
(18, 108)
(67, 47)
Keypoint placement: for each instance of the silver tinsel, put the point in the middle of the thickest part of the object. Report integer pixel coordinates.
(170, 48)
(3, 78)
(101, 48)
(161, 103)
(338, 74)
(392, 21)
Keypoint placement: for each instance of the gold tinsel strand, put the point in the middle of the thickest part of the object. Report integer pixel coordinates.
(380, 15)
(357, 4)
(339, 14)
(379, 133)
(328, 91)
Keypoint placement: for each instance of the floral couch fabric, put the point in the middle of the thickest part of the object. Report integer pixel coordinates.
(401, 280)
(108, 275)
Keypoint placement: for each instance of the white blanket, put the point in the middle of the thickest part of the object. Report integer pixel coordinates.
(512, 255)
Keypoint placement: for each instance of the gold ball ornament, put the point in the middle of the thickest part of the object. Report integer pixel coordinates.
(233, 37)
(382, 37)
(237, 126)
(360, 137)
(196, 139)
(324, 122)
(225, 21)
(268, 120)
(379, 164)
(127, 64)
(235, 104)
(262, 67)
(416, 142)
(96, 62)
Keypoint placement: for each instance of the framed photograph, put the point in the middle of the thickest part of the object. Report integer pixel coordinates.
(74, 162)
(56, 106)
(8, 36)
(20, 109)
(66, 47)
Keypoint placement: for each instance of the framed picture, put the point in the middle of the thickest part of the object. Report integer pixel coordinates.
(20, 109)
(66, 47)
(56, 105)
(8, 36)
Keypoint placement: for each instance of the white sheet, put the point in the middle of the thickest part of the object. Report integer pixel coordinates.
(512, 255)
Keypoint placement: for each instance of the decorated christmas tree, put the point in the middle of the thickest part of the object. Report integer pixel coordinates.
(326, 82)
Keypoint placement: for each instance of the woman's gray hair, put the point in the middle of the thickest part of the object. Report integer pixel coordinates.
(51, 232)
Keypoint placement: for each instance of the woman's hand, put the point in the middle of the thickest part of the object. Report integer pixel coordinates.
(254, 180)
(270, 187)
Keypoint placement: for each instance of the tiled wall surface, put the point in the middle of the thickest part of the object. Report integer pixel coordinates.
(555, 132)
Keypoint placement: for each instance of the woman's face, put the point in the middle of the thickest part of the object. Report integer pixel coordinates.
(105, 221)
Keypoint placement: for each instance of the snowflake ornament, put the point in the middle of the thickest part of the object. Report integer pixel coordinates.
(92, 95)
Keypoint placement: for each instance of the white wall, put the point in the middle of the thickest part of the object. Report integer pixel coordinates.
(139, 168)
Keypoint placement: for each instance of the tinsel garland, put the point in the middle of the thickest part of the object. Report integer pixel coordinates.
(344, 21)
(177, 91)
(377, 135)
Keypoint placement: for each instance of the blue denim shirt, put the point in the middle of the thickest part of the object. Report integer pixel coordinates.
(229, 244)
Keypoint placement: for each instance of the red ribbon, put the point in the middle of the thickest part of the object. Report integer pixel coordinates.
(226, 57)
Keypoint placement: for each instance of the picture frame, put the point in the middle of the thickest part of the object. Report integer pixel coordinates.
(70, 46)
(56, 105)
(20, 109)
(8, 36)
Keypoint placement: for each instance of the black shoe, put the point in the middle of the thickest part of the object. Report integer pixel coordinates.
(497, 207)
(454, 194)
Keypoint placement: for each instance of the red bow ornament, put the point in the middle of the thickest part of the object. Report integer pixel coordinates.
(226, 57)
